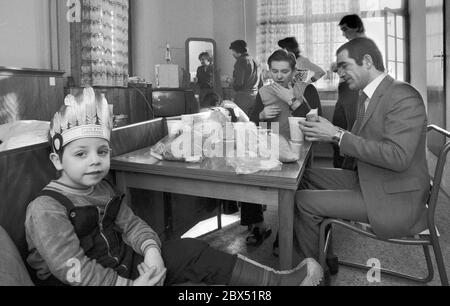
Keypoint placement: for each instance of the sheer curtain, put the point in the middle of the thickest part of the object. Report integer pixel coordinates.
(104, 43)
(315, 25)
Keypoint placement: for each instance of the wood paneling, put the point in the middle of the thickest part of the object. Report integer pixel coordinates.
(29, 93)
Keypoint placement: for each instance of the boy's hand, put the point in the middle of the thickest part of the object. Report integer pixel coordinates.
(148, 276)
(154, 259)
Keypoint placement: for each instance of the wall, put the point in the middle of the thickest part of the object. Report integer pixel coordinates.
(159, 21)
(25, 34)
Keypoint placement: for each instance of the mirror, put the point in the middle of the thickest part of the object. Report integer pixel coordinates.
(205, 81)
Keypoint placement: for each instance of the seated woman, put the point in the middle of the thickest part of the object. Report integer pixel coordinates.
(284, 98)
(276, 103)
(303, 64)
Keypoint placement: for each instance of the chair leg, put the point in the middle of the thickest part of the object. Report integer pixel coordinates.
(439, 260)
(324, 242)
(426, 251)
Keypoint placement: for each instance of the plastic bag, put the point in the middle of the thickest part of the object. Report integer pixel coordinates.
(20, 134)
(177, 148)
(248, 165)
(287, 154)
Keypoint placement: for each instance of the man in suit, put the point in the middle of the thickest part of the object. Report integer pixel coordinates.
(388, 184)
(346, 106)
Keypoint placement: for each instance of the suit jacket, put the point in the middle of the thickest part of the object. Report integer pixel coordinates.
(390, 149)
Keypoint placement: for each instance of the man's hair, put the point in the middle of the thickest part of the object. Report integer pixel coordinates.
(283, 55)
(206, 56)
(290, 44)
(240, 46)
(353, 22)
(360, 47)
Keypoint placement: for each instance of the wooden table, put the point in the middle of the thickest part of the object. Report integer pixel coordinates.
(213, 178)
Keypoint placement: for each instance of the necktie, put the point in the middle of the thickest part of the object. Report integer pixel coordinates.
(361, 113)
(350, 163)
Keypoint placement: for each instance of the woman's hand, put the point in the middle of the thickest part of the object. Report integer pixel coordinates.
(148, 276)
(285, 94)
(270, 112)
(153, 259)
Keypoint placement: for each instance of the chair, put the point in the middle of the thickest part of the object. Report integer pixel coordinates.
(420, 240)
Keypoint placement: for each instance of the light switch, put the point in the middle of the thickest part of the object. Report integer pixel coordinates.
(52, 81)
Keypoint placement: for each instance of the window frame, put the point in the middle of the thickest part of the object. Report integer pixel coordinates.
(308, 19)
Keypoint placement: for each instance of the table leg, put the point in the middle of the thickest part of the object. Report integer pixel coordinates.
(286, 200)
(219, 214)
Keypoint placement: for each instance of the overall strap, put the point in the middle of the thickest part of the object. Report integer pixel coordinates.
(114, 187)
(62, 199)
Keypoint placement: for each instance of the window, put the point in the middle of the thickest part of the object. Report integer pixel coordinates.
(99, 44)
(315, 25)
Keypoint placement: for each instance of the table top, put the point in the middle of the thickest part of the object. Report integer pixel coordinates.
(213, 169)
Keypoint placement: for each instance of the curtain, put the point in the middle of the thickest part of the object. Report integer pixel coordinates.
(315, 25)
(104, 43)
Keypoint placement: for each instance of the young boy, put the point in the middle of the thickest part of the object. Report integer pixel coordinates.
(80, 230)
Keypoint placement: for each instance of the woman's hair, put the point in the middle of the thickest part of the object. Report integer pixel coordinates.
(205, 55)
(353, 22)
(240, 46)
(290, 44)
(283, 55)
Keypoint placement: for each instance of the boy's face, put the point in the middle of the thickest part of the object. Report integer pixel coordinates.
(85, 162)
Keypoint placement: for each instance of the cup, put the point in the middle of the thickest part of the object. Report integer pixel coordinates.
(296, 134)
(229, 148)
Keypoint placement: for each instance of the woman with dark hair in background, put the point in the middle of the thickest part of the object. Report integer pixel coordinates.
(245, 77)
(303, 64)
(205, 75)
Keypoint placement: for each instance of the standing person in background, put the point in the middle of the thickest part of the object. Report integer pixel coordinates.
(345, 110)
(205, 76)
(245, 77)
(304, 65)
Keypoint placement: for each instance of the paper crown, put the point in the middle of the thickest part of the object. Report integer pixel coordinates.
(85, 116)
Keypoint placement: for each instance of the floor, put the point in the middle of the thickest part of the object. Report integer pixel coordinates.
(348, 246)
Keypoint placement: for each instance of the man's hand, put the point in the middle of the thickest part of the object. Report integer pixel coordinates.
(270, 112)
(285, 94)
(153, 259)
(322, 131)
(148, 276)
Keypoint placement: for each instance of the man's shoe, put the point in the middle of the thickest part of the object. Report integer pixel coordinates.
(333, 265)
(257, 237)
